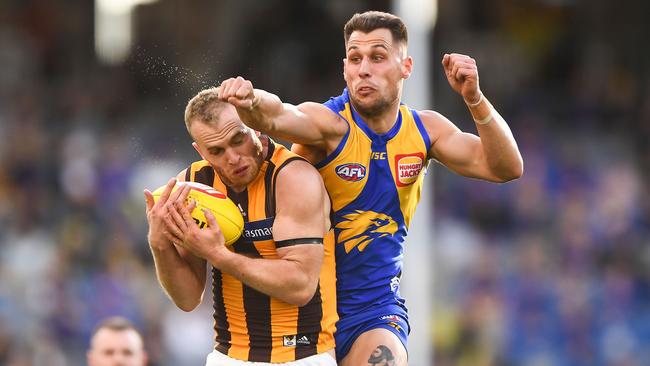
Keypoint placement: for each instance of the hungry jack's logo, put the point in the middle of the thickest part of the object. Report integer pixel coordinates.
(408, 168)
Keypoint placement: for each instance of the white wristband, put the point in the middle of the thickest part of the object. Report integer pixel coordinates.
(485, 120)
(472, 105)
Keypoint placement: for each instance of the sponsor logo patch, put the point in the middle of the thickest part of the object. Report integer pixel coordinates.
(391, 317)
(259, 230)
(289, 341)
(408, 168)
(352, 172)
(304, 340)
(294, 340)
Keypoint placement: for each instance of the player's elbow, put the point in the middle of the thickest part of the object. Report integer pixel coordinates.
(187, 306)
(188, 303)
(515, 172)
(303, 295)
(303, 298)
(508, 172)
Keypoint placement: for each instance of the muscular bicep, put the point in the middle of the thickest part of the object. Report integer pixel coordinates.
(459, 151)
(301, 220)
(301, 203)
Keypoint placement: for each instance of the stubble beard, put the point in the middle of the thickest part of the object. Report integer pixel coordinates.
(373, 109)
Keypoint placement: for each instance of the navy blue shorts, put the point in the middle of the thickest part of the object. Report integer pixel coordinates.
(348, 330)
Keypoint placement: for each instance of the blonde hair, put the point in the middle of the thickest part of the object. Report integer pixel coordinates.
(205, 107)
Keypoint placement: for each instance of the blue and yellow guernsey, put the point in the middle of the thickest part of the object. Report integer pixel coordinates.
(374, 182)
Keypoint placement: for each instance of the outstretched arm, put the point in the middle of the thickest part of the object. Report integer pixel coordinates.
(308, 123)
(494, 154)
(301, 213)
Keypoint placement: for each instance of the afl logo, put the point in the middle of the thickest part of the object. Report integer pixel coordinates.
(352, 172)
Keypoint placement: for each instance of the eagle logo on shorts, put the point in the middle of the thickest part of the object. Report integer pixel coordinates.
(360, 228)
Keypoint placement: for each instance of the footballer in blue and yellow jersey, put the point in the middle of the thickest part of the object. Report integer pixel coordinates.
(374, 182)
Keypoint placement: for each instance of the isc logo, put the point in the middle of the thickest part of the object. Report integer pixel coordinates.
(351, 172)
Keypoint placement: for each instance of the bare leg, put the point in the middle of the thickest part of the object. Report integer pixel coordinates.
(376, 347)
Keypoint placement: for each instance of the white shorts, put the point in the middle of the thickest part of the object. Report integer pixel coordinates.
(217, 358)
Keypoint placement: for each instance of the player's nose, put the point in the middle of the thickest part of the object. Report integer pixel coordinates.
(232, 156)
(364, 67)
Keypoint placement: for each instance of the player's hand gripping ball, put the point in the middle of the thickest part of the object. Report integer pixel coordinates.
(228, 216)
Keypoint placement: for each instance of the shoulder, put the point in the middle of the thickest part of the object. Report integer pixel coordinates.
(436, 124)
(430, 117)
(338, 102)
(331, 126)
(297, 174)
(299, 182)
(321, 114)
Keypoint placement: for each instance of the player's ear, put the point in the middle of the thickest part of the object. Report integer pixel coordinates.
(198, 150)
(407, 67)
(345, 63)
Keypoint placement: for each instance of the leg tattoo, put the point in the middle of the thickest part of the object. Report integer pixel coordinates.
(382, 356)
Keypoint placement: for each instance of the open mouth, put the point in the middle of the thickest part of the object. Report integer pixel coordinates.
(241, 171)
(365, 90)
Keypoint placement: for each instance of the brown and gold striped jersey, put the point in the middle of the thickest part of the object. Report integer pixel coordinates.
(250, 325)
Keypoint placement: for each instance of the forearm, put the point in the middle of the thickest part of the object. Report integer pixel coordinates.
(499, 146)
(283, 279)
(180, 281)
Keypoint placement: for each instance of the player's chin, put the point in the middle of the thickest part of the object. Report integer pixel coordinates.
(371, 108)
(242, 179)
(364, 102)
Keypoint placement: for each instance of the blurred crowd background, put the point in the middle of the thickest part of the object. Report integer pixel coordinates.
(553, 269)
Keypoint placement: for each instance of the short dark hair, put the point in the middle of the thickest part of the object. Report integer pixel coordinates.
(371, 20)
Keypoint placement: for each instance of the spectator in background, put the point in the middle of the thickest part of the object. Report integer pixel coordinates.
(116, 342)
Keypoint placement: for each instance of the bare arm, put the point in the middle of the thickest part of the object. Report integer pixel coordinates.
(308, 123)
(493, 155)
(181, 274)
(301, 213)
